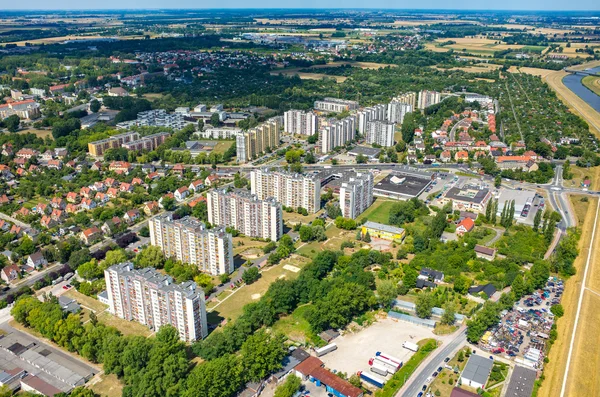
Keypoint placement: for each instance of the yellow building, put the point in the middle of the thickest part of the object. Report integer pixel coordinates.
(386, 232)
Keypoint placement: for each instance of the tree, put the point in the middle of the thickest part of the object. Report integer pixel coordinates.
(367, 238)
(497, 181)
(410, 277)
(518, 286)
(306, 233)
(423, 305)
(168, 203)
(251, 275)
(449, 312)
(215, 120)
(113, 257)
(289, 387)
(95, 106)
(222, 376)
(12, 123)
(355, 381)
(558, 310)
(262, 354)
(387, 291)
(537, 219)
(361, 159)
(151, 256)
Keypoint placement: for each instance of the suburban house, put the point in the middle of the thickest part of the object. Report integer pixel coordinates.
(91, 235)
(484, 252)
(465, 226)
(151, 208)
(36, 260)
(10, 273)
(211, 180)
(196, 185)
(181, 193)
(430, 274)
(131, 216)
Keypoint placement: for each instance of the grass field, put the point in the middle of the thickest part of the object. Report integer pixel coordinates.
(319, 76)
(579, 175)
(222, 146)
(477, 68)
(379, 211)
(593, 83)
(125, 327)
(478, 45)
(109, 386)
(296, 327)
(533, 71)
(586, 353)
(231, 308)
(86, 301)
(39, 133)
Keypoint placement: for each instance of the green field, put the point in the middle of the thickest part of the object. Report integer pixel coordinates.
(379, 211)
(593, 83)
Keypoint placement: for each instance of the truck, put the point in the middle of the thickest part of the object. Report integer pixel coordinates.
(390, 357)
(325, 349)
(410, 346)
(391, 366)
(372, 379)
(58, 280)
(378, 368)
(68, 276)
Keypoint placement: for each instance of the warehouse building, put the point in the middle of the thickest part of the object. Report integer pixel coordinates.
(477, 371)
(403, 185)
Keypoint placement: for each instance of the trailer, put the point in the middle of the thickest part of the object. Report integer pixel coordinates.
(390, 357)
(325, 349)
(372, 379)
(379, 369)
(410, 346)
(391, 366)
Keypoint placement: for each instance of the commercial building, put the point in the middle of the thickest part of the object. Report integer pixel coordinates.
(149, 142)
(476, 371)
(154, 300)
(300, 122)
(245, 213)
(219, 133)
(382, 231)
(369, 152)
(98, 148)
(356, 195)
(467, 198)
(337, 133)
(188, 240)
(156, 118)
(403, 184)
(254, 142)
(397, 110)
(335, 105)
(291, 190)
(380, 133)
(428, 98)
(28, 109)
(521, 382)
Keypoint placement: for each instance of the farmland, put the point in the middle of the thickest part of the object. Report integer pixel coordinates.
(481, 46)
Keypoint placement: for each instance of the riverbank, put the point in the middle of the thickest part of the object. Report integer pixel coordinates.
(592, 83)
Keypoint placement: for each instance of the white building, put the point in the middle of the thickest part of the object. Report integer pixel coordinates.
(219, 133)
(154, 300)
(337, 133)
(380, 133)
(291, 190)
(397, 110)
(188, 240)
(156, 118)
(335, 105)
(373, 113)
(245, 213)
(428, 98)
(356, 195)
(409, 98)
(300, 122)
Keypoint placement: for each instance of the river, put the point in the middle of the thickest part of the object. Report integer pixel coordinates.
(573, 82)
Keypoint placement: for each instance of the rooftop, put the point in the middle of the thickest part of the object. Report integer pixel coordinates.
(384, 228)
(521, 382)
(478, 369)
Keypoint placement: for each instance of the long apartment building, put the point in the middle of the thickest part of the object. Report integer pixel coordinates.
(219, 133)
(372, 113)
(188, 240)
(156, 118)
(28, 109)
(300, 122)
(428, 98)
(396, 111)
(356, 195)
(380, 133)
(335, 105)
(254, 142)
(291, 190)
(154, 300)
(245, 213)
(98, 148)
(337, 133)
(409, 98)
(149, 142)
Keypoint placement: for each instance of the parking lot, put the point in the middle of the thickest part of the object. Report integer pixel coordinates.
(387, 335)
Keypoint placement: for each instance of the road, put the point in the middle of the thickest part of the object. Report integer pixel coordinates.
(29, 281)
(15, 221)
(452, 135)
(414, 385)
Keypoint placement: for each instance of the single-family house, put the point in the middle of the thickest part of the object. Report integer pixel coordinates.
(36, 260)
(10, 273)
(465, 226)
(88, 204)
(196, 185)
(101, 198)
(112, 192)
(58, 202)
(150, 208)
(131, 216)
(211, 180)
(91, 235)
(181, 193)
(445, 156)
(72, 208)
(120, 167)
(178, 170)
(47, 222)
(72, 197)
(484, 252)
(461, 155)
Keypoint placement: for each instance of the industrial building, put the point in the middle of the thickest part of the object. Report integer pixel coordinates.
(521, 382)
(477, 371)
(245, 213)
(290, 189)
(403, 185)
(154, 300)
(188, 240)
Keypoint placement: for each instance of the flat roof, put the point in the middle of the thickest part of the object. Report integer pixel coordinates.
(365, 151)
(521, 382)
(478, 369)
(409, 185)
(467, 193)
(382, 227)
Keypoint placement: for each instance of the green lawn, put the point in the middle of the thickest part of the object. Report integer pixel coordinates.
(296, 328)
(379, 211)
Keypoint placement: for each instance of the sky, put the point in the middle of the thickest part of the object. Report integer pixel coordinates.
(387, 4)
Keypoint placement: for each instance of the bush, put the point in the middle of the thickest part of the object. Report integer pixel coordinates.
(251, 275)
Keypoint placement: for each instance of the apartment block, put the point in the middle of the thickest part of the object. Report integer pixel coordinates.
(245, 213)
(397, 110)
(254, 142)
(335, 105)
(291, 190)
(219, 133)
(189, 241)
(337, 133)
(300, 122)
(380, 133)
(156, 118)
(149, 142)
(428, 98)
(372, 113)
(28, 109)
(98, 148)
(356, 195)
(409, 98)
(154, 299)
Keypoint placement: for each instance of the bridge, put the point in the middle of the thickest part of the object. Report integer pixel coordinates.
(583, 72)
